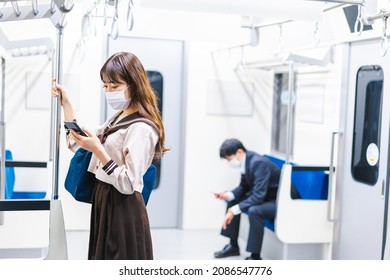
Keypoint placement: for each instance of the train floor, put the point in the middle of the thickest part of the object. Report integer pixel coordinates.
(168, 244)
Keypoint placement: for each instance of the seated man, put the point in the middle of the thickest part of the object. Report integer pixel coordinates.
(256, 194)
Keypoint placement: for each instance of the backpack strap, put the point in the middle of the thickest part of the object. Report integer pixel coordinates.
(125, 123)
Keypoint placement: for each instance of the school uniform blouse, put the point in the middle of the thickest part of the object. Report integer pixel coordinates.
(131, 151)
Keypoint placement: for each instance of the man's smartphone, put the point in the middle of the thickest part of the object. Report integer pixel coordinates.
(74, 126)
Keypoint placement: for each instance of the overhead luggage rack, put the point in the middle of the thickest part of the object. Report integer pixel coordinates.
(18, 48)
(56, 11)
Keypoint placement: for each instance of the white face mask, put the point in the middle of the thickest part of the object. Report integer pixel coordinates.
(116, 99)
(235, 163)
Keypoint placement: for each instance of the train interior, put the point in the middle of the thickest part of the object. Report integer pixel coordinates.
(301, 82)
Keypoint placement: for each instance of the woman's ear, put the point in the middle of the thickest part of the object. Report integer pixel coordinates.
(128, 93)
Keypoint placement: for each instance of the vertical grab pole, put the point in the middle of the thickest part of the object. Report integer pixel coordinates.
(56, 113)
(2, 132)
(289, 110)
(331, 187)
(2, 140)
(57, 236)
(57, 233)
(53, 104)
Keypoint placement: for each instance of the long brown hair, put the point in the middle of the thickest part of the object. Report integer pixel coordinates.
(125, 66)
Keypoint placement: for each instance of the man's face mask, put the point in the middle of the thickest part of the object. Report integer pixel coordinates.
(235, 163)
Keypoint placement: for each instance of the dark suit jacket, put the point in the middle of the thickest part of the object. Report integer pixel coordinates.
(259, 183)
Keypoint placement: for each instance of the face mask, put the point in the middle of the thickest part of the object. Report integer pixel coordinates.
(235, 163)
(116, 99)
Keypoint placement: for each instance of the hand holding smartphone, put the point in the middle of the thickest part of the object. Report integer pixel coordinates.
(219, 195)
(75, 127)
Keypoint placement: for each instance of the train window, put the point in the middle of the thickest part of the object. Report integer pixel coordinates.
(156, 81)
(279, 115)
(367, 124)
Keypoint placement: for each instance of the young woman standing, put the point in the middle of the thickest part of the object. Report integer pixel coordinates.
(119, 221)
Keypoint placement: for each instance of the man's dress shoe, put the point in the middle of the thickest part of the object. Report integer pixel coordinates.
(227, 251)
(251, 258)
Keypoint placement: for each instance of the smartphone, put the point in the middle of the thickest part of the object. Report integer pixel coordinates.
(74, 126)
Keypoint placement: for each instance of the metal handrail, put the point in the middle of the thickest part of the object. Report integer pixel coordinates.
(56, 113)
(29, 164)
(24, 205)
(331, 189)
(291, 78)
(2, 139)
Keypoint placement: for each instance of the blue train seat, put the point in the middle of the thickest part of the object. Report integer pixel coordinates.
(279, 162)
(311, 185)
(10, 184)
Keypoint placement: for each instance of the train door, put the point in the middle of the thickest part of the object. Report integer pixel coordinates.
(362, 172)
(163, 61)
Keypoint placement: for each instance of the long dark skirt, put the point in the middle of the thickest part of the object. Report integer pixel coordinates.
(119, 226)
